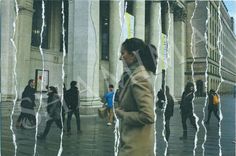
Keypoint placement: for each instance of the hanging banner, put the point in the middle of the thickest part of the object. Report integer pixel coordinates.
(129, 24)
(128, 27)
(163, 52)
(41, 76)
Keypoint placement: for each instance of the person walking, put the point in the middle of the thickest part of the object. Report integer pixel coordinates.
(54, 111)
(72, 100)
(109, 104)
(27, 105)
(213, 105)
(136, 99)
(168, 112)
(161, 98)
(186, 107)
(64, 104)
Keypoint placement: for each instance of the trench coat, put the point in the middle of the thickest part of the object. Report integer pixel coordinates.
(136, 101)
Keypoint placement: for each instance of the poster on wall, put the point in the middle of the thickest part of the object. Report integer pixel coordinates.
(42, 78)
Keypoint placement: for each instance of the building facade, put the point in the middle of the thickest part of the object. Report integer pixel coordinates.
(213, 37)
(93, 35)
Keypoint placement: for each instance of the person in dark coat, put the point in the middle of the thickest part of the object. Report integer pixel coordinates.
(54, 111)
(72, 101)
(27, 105)
(212, 107)
(186, 107)
(63, 108)
(168, 112)
(161, 98)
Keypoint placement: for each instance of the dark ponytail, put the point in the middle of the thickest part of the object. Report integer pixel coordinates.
(147, 54)
(149, 58)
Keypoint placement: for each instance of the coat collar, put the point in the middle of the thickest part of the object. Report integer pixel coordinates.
(136, 71)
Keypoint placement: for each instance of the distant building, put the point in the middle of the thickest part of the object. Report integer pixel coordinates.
(211, 38)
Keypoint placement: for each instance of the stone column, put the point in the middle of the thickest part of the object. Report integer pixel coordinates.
(83, 55)
(7, 50)
(169, 23)
(55, 26)
(23, 43)
(179, 51)
(115, 39)
(155, 34)
(139, 19)
(70, 53)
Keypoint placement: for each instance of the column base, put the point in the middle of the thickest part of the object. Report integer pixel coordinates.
(90, 107)
(7, 97)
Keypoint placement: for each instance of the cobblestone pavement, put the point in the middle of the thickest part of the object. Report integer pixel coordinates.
(97, 139)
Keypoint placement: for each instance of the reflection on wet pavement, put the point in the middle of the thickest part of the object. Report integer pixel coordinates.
(97, 139)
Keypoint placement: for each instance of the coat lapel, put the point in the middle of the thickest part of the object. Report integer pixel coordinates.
(140, 68)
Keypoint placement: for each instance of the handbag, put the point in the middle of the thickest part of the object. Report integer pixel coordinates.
(102, 112)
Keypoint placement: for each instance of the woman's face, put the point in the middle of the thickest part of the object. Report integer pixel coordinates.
(126, 57)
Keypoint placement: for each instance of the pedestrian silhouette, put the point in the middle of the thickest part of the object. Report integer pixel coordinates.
(186, 107)
(73, 102)
(213, 105)
(168, 112)
(109, 104)
(54, 111)
(161, 98)
(27, 105)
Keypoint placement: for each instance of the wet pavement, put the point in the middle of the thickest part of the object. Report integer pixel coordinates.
(97, 139)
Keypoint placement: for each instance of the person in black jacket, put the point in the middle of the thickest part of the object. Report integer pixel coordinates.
(72, 101)
(161, 98)
(212, 107)
(186, 107)
(168, 112)
(54, 111)
(64, 105)
(27, 105)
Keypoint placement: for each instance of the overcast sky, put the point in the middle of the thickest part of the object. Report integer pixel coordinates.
(231, 6)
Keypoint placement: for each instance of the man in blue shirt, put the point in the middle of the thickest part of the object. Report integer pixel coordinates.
(109, 103)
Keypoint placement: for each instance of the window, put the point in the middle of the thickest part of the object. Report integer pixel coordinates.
(147, 20)
(37, 24)
(163, 17)
(104, 20)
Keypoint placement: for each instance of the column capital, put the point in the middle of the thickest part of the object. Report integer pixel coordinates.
(25, 6)
(166, 7)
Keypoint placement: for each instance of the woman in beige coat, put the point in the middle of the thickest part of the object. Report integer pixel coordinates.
(136, 99)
